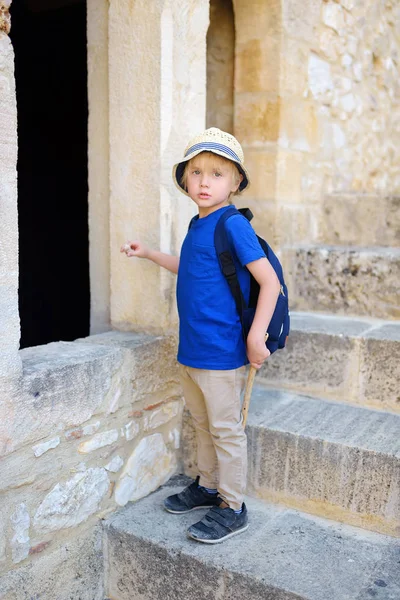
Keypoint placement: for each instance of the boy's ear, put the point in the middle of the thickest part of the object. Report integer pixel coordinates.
(238, 182)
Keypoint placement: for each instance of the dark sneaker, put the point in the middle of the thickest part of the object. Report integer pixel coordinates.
(191, 498)
(218, 525)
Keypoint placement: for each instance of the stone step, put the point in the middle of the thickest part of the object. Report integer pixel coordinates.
(323, 457)
(360, 220)
(344, 280)
(342, 358)
(284, 555)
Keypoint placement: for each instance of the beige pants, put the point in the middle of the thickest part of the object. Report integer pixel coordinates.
(214, 401)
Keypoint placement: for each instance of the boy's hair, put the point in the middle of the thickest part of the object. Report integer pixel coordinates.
(217, 161)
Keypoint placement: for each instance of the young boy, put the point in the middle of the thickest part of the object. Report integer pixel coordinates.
(212, 352)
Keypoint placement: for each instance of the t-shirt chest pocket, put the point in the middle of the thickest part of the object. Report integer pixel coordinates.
(203, 262)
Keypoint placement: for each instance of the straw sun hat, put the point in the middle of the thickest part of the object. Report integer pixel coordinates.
(216, 141)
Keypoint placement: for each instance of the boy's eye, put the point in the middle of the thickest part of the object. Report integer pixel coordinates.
(196, 172)
(218, 174)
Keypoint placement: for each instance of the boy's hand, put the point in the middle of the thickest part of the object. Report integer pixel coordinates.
(257, 352)
(135, 249)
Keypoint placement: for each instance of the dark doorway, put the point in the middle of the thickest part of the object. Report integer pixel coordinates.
(49, 39)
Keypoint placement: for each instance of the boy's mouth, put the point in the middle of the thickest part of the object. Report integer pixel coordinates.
(203, 195)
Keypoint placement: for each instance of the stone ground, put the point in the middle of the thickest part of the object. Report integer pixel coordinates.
(285, 555)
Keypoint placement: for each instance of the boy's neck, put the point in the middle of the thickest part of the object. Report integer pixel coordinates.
(205, 212)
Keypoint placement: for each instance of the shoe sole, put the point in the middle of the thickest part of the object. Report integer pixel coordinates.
(184, 512)
(226, 537)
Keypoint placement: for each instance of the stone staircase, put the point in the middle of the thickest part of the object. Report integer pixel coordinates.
(323, 438)
(285, 555)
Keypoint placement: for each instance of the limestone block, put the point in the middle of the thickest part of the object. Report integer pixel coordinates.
(152, 362)
(115, 464)
(70, 569)
(300, 19)
(10, 362)
(344, 280)
(162, 415)
(319, 75)
(40, 449)
(63, 383)
(130, 430)
(104, 438)
(341, 358)
(298, 125)
(380, 367)
(297, 224)
(257, 66)
(257, 118)
(174, 36)
(262, 167)
(98, 165)
(149, 466)
(174, 437)
(360, 220)
(321, 358)
(2, 540)
(20, 541)
(307, 558)
(289, 175)
(72, 502)
(326, 458)
(293, 61)
(258, 19)
(332, 16)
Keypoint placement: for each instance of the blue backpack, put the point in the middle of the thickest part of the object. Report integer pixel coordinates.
(278, 329)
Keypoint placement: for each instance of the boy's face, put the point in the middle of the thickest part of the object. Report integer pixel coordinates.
(210, 181)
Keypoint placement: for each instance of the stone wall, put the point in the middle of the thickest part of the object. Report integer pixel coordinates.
(10, 363)
(157, 100)
(317, 108)
(95, 424)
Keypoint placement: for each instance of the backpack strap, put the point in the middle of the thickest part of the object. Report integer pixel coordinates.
(227, 263)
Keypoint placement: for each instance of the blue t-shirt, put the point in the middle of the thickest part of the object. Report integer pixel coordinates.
(210, 333)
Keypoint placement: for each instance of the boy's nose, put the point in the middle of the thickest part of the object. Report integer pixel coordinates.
(204, 182)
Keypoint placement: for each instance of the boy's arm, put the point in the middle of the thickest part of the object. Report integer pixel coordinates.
(169, 262)
(268, 281)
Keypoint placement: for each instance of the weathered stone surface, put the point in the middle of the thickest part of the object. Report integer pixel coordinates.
(2, 540)
(322, 457)
(344, 280)
(360, 220)
(319, 75)
(332, 15)
(149, 466)
(72, 502)
(289, 556)
(326, 458)
(130, 430)
(10, 362)
(20, 541)
(159, 416)
(115, 464)
(340, 358)
(104, 438)
(257, 118)
(144, 352)
(63, 383)
(70, 570)
(174, 437)
(40, 449)
(380, 366)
